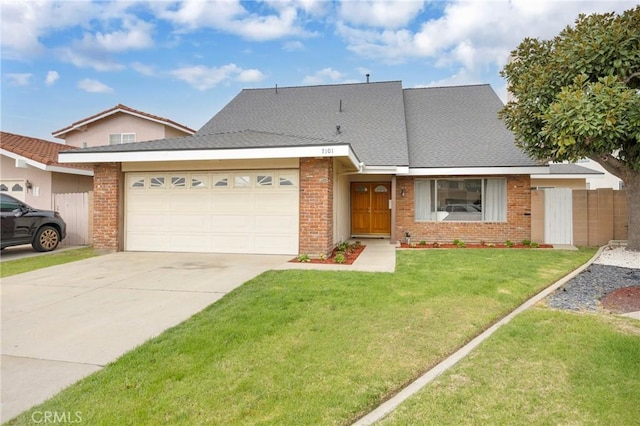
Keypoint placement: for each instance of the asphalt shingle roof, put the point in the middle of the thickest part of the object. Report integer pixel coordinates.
(459, 127)
(572, 169)
(224, 140)
(40, 150)
(384, 124)
(370, 116)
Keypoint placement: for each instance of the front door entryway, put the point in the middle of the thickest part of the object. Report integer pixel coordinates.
(370, 210)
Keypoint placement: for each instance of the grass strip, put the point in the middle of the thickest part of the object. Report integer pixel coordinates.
(313, 347)
(20, 266)
(544, 367)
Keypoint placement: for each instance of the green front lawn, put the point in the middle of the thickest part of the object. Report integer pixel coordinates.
(543, 368)
(311, 347)
(20, 266)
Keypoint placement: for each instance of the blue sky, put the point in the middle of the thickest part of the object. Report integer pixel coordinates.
(184, 60)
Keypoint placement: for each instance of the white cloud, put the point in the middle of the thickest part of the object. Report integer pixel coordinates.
(325, 75)
(293, 46)
(24, 23)
(204, 78)
(94, 86)
(379, 13)
(143, 69)
(19, 79)
(231, 17)
(134, 35)
(98, 60)
(52, 77)
(473, 34)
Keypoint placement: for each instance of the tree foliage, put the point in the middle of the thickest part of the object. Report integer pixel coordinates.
(577, 96)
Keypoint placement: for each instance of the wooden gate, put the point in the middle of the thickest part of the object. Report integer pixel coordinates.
(558, 216)
(74, 209)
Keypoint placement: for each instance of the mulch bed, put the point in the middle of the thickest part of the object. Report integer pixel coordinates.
(350, 256)
(477, 246)
(623, 300)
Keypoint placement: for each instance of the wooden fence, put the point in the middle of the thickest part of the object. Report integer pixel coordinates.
(75, 209)
(597, 216)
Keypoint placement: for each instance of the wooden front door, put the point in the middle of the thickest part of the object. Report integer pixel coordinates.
(370, 213)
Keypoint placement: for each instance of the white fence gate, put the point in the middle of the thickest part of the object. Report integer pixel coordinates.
(558, 216)
(74, 208)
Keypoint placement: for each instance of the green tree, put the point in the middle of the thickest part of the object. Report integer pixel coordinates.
(577, 96)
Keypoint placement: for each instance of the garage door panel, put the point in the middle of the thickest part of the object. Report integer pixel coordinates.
(273, 224)
(149, 222)
(190, 223)
(191, 242)
(274, 243)
(147, 241)
(259, 216)
(147, 202)
(225, 202)
(230, 224)
(189, 202)
(279, 202)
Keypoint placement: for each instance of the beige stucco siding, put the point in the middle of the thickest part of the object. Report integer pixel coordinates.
(39, 196)
(341, 205)
(66, 183)
(577, 183)
(97, 133)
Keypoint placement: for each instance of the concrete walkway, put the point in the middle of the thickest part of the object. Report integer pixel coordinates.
(62, 323)
(379, 255)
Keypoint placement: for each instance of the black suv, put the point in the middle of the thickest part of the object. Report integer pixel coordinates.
(22, 224)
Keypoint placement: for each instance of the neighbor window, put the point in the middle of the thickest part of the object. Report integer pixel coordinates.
(119, 138)
(461, 200)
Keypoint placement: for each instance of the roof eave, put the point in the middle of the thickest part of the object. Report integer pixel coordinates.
(46, 167)
(326, 150)
(477, 171)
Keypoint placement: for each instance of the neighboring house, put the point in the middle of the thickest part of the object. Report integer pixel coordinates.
(118, 125)
(602, 180)
(300, 169)
(563, 175)
(30, 170)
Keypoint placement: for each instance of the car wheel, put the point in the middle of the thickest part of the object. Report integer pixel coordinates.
(47, 239)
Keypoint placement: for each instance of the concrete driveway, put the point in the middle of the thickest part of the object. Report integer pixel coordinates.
(63, 323)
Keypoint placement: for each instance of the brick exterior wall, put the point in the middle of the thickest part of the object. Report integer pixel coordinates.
(107, 184)
(316, 206)
(516, 228)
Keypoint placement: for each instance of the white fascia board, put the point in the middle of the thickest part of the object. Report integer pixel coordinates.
(478, 171)
(211, 154)
(566, 176)
(385, 170)
(46, 168)
(26, 160)
(69, 170)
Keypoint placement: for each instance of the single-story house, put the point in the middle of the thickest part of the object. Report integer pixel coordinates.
(120, 124)
(30, 170)
(296, 170)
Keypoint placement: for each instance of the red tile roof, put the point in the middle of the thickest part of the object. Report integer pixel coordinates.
(40, 150)
(120, 109)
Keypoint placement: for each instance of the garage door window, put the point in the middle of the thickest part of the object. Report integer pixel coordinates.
(157, 182)
(287, 180)
(242, 181)
(198, 181)
(178, 182)
(136, 182)
(264, 180)
(220, 181)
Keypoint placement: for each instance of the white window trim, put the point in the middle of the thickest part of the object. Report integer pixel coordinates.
(482, 198)
(122, 137)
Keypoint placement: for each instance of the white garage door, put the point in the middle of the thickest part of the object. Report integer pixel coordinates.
(214, 212)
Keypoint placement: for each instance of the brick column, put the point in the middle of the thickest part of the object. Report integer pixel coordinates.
(107, 184)
(316, 206)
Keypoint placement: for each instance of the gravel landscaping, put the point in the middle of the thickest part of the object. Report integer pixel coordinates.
(616, 268)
